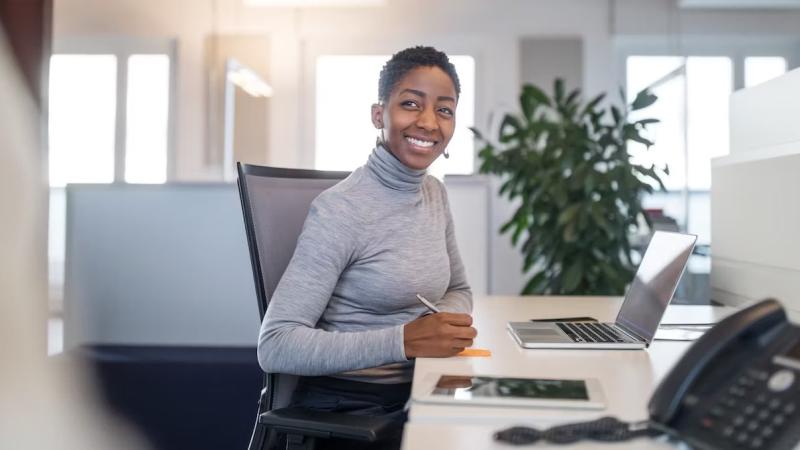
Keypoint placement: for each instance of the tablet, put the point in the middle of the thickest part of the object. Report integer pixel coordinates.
(523, 392)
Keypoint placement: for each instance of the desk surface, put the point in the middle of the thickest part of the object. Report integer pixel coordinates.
(628, 377)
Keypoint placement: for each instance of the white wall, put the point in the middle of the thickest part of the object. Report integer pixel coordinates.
(490, 30)
(563, 57)
(764, 118)
(470, 200)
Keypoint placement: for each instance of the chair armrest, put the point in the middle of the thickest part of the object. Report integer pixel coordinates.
(325, 424)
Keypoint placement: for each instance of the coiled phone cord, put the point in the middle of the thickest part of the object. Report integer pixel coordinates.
(605, 429)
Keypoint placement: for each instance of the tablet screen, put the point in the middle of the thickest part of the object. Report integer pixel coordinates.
(469, 387)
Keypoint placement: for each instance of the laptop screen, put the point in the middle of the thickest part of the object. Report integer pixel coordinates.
(655, 282)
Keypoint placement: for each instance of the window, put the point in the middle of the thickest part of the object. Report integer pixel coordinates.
(693, 108)
(693, 102)
(84, 122)
(758, 69)
(82, 118)
(147, 115)
(346, 87)
(693, 96)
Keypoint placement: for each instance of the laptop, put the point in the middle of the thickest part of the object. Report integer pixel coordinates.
(638, 319)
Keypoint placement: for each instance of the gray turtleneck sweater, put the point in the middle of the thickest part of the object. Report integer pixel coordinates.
(368, 246)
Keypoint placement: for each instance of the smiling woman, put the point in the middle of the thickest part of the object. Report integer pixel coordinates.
(345, 315)
(416, 114)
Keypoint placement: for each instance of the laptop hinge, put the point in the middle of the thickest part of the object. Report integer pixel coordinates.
(632, 334)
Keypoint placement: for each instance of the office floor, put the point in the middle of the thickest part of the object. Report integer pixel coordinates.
(177, 397)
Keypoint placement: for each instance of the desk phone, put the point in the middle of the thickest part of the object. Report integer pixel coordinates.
(738, 387)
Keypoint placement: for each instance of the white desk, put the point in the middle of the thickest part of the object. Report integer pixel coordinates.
(628, 377)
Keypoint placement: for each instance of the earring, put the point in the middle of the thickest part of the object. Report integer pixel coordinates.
(446, 154)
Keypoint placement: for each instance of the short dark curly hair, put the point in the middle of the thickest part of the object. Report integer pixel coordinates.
(406, 60)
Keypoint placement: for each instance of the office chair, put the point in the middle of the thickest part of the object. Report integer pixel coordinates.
(275, 203)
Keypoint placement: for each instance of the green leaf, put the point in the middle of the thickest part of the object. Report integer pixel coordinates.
(568, 214)
(558, 90)
(569, 234)
(506, 186)
(536, 93)
(477, 133)
(573, 276)
(572, 97)
(535, 284)
(593, 103)
(528, 106)
(522, 225)
(530, 100)
(643, 99)
(641, 140)
(509, 128)
(507, 226)
(588, 184)
(616, 114)
(609, 273)
(645, 122)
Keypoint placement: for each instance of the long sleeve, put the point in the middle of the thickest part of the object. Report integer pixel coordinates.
(289, 341)
(458, 297)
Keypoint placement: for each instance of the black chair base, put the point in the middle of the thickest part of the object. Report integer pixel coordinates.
(300, 442)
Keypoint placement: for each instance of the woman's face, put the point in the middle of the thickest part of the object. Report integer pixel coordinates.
(420, 116)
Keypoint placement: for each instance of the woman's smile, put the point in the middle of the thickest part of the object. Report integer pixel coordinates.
(421, 143)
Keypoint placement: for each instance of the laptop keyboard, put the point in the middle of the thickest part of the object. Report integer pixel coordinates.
(590, 332)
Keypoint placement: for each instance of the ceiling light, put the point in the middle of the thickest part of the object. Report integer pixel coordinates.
(247, 79)
(313, 3)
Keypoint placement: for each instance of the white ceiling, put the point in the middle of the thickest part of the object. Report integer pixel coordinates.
(740, 4)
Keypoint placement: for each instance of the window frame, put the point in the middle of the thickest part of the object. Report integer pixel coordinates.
(123, 48)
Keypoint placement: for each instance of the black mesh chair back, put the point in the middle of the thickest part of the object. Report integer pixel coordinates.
(275, 203)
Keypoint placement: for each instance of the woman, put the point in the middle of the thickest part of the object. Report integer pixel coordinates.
(345, 314)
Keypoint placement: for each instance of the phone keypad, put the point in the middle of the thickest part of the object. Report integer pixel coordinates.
(754, 409)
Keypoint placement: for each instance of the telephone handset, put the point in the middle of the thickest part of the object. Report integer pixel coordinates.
(738, 386)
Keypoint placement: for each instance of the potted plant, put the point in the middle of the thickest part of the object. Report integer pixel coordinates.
(579, 194)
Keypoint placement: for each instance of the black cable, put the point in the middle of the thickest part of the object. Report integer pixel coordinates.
(605, 429)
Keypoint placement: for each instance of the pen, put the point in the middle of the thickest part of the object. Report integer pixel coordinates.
(428, 304)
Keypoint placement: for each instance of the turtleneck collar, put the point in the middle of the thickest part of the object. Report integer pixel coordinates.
(392, 173)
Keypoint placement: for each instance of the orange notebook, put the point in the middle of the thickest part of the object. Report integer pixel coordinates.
(475, 352)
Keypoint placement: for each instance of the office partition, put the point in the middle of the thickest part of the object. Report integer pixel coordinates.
(157, 265)
(755, 198)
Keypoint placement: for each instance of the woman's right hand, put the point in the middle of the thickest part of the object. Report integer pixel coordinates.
(438, 335)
